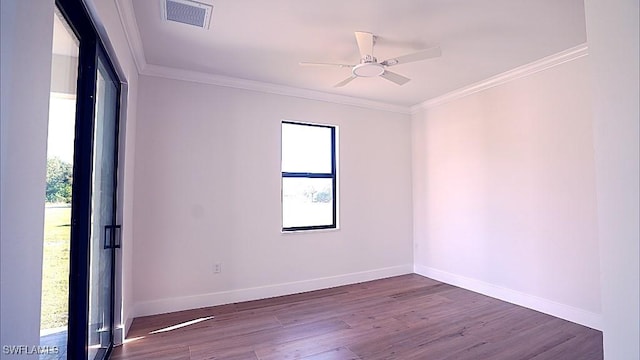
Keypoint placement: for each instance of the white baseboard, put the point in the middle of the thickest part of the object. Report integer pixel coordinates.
(161, 306)
(566, 312)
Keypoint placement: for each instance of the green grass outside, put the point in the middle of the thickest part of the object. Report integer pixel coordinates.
(55, 271)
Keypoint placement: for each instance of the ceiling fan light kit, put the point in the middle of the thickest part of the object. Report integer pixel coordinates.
(369, 65)
(368, 69)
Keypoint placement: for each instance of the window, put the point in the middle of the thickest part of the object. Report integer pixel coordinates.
(308, 176)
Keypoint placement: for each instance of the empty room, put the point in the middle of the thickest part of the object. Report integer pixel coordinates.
(410, 179)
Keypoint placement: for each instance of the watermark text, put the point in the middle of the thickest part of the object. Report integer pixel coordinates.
(29, 349)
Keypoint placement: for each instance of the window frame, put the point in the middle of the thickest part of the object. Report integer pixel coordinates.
(307, 175)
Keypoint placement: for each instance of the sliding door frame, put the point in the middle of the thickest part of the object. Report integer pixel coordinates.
(91, 47)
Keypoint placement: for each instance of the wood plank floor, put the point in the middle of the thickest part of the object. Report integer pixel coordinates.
(404, 317)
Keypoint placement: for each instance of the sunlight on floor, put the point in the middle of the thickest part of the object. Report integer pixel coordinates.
(181, 325)
(130, 340)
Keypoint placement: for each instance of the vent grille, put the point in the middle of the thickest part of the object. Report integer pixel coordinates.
(188, 12)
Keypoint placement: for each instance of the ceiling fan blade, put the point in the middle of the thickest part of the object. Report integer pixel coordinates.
(345, 81)
(325, 64)
(395, 78)
(365, 43)
(417, 56)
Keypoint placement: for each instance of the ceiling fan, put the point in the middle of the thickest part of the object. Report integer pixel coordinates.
(369, 65)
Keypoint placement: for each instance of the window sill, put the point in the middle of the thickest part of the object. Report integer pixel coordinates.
(306, 231)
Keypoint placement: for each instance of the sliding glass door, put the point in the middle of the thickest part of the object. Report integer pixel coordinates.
(104, 231)
(95, 234)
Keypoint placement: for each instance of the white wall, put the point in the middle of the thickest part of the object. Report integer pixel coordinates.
(613, 35)
(504, 193)
(27, 31)
(208, 190)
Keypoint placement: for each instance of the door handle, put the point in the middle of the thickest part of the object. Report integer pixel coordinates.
(111, 234)
(117, 236)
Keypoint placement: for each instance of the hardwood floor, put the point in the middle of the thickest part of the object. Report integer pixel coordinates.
(404, 317)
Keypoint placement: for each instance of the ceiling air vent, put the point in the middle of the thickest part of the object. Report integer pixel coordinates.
(188, 12)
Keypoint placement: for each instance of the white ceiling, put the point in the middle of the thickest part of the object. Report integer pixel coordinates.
(265, 40)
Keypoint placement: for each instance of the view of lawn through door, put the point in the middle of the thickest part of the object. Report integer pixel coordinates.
(57, 229)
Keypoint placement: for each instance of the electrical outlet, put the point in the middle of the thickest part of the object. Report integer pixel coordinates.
(217, 268)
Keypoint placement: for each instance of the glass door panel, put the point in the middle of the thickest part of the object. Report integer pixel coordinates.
(104, 233)
(60, 152)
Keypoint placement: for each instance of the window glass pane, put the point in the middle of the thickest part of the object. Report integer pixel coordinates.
(307, 202)
(102, 212)
(306, 149)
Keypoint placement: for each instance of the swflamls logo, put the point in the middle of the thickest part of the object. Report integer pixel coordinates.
(29, 350)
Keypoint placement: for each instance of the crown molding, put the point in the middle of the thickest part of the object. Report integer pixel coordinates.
(131, 32)
(508, 76)
(226, 81)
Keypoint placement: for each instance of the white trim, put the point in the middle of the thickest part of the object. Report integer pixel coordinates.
(104, 38)
(131, 32)
(226, 81)
(119, 335)
(128, 321)
(153, 307)
(563, 311)
(517, 73)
